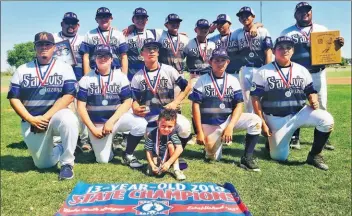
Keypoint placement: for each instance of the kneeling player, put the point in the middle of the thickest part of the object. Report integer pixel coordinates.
(217, 111)
(163, 147)
(279, 92)
(104, 100)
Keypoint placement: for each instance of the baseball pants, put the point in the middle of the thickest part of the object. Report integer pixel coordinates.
(182, 128)
(128, 122)
(282, 128)
(246, 76)
(41, 145)
(320, 85)
(213, 145)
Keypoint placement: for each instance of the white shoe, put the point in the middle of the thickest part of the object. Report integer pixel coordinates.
(179, 175)
(192, 141)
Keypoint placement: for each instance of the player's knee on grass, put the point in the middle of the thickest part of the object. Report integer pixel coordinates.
(326, 124)
(279, 154)
(255, 125)
(183, 127)
(139, 127)
(102, 158)
(43, 163)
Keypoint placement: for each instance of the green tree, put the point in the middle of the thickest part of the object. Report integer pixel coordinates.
(21, 54)
(343, 61)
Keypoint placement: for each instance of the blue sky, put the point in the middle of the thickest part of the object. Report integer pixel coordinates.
(20, 21)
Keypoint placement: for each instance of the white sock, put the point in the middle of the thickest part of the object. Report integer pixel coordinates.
(176, 166)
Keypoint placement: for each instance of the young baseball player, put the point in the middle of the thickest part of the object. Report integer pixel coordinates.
(217, 112)
(104, 34)
(40, 92)
(69, 29)
(153, 90)
(279, 94)
(255, 51)
(104, 99)
(163, 147)
(300, 34)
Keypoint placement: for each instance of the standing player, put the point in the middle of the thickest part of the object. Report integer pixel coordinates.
(104, 34)
(217, 111)
(153, 90)
(104, 99)
(198, 52)
(69, 29)
(40, 93)
(255, 51)
(279, 94)
(300, 33)
(163, 147)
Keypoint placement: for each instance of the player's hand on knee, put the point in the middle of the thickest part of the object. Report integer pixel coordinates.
(227, 135)
(98, 133)
(266, 130)
(39, 122)
(200, 138)
(108, 126)
(313, 101)
(165, 167)
(140, 110)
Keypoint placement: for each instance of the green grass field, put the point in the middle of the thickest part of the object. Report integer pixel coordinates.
(279, 189)
(339, 72)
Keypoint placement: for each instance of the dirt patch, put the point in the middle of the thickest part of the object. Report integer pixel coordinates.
(340, 80)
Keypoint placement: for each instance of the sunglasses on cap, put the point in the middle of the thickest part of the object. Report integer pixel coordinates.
(70, 22)
(42, 44)
(103, 16)
(103, 56)
(284, 47)
(150, 48)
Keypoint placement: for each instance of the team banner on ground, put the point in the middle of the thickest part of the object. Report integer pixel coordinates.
(154, 199)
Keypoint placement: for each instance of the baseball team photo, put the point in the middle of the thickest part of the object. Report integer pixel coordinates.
(176, 108)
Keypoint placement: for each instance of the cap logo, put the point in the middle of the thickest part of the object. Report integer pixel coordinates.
(43, 36)
(222, 16)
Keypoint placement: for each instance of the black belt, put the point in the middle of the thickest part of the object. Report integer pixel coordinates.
(315, 70)
(276, 115)
(196, 72)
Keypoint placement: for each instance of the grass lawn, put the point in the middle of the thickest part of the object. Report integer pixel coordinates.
(339, 72)
(279, 189)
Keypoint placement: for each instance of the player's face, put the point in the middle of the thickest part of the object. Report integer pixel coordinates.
(150, 53)
(223, 27)
(173, 26)
(140, 21)
(166, 127)
(202, 32)
(44, 50)
(246, 18)
(69, 27)
(104, 21)
(219, 65)
(283, 52)
(303, 16)
(103, 61)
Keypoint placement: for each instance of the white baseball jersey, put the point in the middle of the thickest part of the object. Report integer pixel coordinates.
(301, 37)
(198, 55)
(103, 94)
(156, 89)
(171, 52)
(75, 42)
(40, 86)
(231, 46)
(135, 42)
(252, 49)
(112, 37)
(277, 98)
(217, 97)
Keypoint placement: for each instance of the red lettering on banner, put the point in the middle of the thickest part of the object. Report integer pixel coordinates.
(195, 196)
(170, 194)
(76, 199)
(107, 195)
(119, 194)
(219, 196)
(135, 194)
(86, 198)
(185, 195)
(230, 197)
(96, 197)
(146, 194)
(159, 194)
(206, 196)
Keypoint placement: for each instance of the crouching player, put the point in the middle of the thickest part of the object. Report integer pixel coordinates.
(104, 99)
(217, 112)
(163, 147)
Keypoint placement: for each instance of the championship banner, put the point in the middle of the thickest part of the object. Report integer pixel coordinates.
(154, 199)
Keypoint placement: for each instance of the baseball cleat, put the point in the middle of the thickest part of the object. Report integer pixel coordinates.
(249, 163)
(179, 175)
(131, 161)
(317, 161)
(329, 146)
(66, 172)
(295, 144)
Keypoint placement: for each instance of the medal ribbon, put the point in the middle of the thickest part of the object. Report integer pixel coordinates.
(248, 39)
(282, 76)
(203, 53)
(227, 41)
(43, 78)
(221, 94)
(307, 36)
(152, 87)
(73, 41)
(139, 42)
(102, 38)
(103, 87)
(174, 50)
(157, 146)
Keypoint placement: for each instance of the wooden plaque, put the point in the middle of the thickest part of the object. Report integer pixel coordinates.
(64, 52)
(324, 49)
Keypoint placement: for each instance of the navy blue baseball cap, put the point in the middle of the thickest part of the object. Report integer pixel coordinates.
(103, 11)
(303, 5)
(44, 37)
(140, 12)
(284, 39)
(70, 16)
(220, 52)
(102, 49)
(222, 18)
(172, 17)
(202, 23)
(245, 9)
(151, 42)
